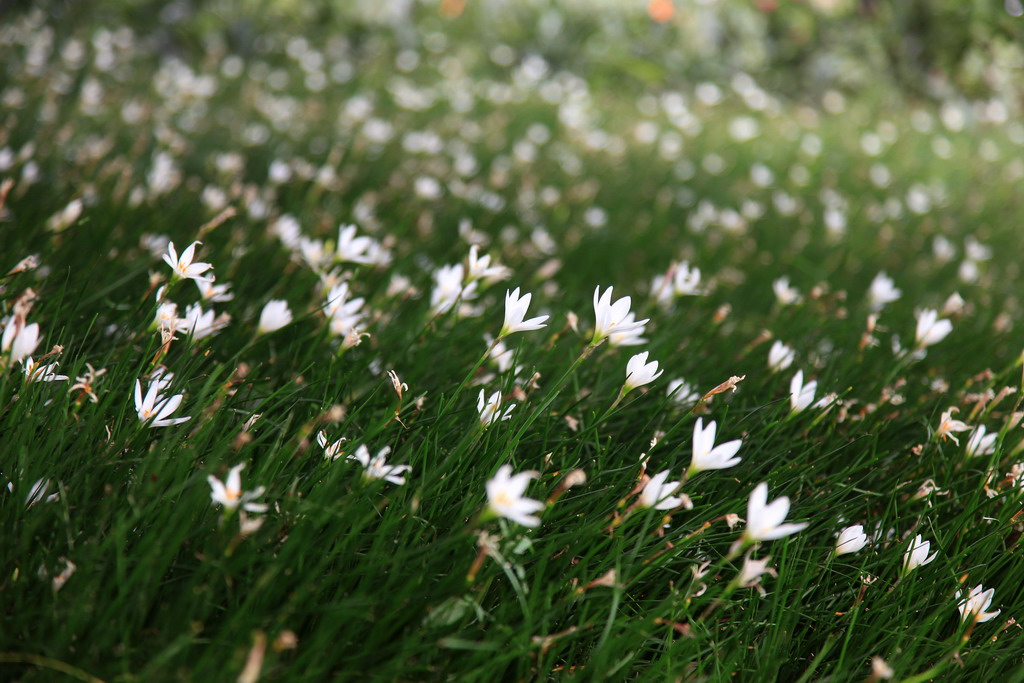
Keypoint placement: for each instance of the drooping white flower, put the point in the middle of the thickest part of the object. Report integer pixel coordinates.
(35, 372)
(708, 456)
(377, 466)
(657, 493)
(882, 291)
(19, 340)
(612, 317)
(916, 554)
(229, 493)
(639, 372)
(156, 409)
(851, 539)
(980, 442)
(930, 328)
(780, 356)
(801, 395)
(505, 496)
(682, 392)
(947, 425)
(515, 312)
(975, 605)
(274, 316)
(480, 268)
(183, 266)
(764, 520)
(490, 408)
(332, 450)
(784, 292)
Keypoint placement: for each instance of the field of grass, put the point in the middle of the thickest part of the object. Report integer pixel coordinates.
(749, 227)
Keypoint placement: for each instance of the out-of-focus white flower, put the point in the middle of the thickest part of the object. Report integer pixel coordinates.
(657, 493)
(882, 291)
(377, 466)
(183, 267)
(352, 248)
(611, 317)
(502, 356)
(639, 372)
(515, 311)
(975, 605)
(229, 493)
(449, 290)
(916, 554)
(274, 316)
(851, 539)
(505, 496)
(801, 395)
(201, 324)
(764, 520)
(155, 409)
(954, 304)
(784, 292)
(780, 356)
(35, 372)
(981, 443)
(708, 456)
(19, 340)
(680, 280)
(752, 571)
(213, 292)
(490, 408)
(947, 425)
(930, 328)
(480, 268)
(682, 393)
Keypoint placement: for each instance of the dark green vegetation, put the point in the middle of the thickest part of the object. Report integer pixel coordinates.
(584, 167)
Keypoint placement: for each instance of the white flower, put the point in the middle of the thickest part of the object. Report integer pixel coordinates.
(344, 315)
(657, 493)
(916, 554)
(183, 266)
(764, 521)
(448, 289)
(682, 393)
(680, 280)
(930, 328)
(351, 248)
(157, 409)
(313, 252)
(490, 408)
(976, 604)
(752, 571)
(708, 456)
(851, 539)
(332, 451)
(500, 354)
(883, 291)
(230, 493)
(947, 425)
(480, 267)
(801, 395)
(505, 496)
(611, 317)
(274, 316)
(780, 356)
(200, 324)
(784, 292)
(167, 315)
(626, 335)
(639, 372)
(212, 292)
(19, 340)
(377, 466)
(515, 311)
(981, 443)
(34, 372)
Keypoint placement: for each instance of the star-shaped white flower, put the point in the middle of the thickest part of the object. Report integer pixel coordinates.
(612, 317)
(975, 605)
(708, 456)
(183, 266)
(229, 493)
(515, 311)
(657, 493)
(764, 520)
(156, 409)
(376, 467)
(505, 496)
